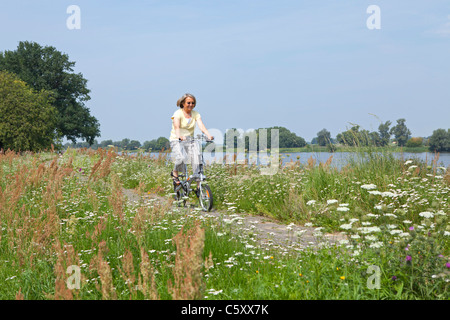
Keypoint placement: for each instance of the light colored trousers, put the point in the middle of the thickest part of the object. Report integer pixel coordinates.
(183, 153)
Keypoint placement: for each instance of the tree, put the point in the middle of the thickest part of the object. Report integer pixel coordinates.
(286, 138)
(45, 68)
(439, 140)
(323, 137)
(27, 117)
(400, 132)
(354, 137)
(134, 144)
(385, 136)
(162, 143)
(414, 142)
(374, 138)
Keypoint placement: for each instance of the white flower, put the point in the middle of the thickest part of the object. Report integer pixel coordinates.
(426, 214)
(371, 238)
(311, 202)
(408, 162)
(446, 233)
(308, 224)
(355, 236)
(388, 194)
(376, 192)
(342, 209)
(407, 221)
(369, 186)
(332, 201)
(396, 231)
(403, 234)
(346, 226)
(378, 244)
(299, 233)
(378, 207)
(369, 229)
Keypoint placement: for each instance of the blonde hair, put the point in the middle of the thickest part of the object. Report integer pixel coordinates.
(180, 101)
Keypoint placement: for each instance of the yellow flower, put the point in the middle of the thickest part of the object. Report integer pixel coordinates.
(300, 274)
(342, 278)
(337, 268)
(257, 271)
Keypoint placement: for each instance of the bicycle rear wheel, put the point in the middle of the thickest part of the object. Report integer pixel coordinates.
(205, 197)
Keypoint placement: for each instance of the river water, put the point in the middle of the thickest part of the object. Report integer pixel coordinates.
(339, 159)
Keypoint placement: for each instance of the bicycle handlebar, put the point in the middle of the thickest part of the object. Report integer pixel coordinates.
(200, 138)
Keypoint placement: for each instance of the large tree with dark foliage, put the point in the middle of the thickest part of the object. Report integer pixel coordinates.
(45, 68)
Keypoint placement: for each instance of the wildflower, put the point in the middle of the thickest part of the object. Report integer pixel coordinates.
(342, 209)
(411, 228)
(376, 245)
(388, 194)
(408, 258)
(368, 186)
(408, 162)
(342, 278)
(310, 202)
(394, 278)
(346, 226)
(369, 229)
(332, 201)
(426, 214)
(447, 264)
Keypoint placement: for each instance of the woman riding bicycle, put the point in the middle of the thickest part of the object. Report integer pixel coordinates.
(183, 126)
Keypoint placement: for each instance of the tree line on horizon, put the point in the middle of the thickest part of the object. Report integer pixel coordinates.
(42, 101)
(398, 135)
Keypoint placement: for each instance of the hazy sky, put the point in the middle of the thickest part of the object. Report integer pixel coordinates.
(304, 65)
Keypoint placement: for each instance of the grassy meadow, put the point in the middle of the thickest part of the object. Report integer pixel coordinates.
(63, 214)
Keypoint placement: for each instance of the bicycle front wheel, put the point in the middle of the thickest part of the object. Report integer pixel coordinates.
(179, 196)
(205, 197)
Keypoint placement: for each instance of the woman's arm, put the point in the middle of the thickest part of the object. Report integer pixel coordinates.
(203, 129)
(176, 126)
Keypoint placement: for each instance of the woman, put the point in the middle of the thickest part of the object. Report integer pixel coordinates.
(183, 125)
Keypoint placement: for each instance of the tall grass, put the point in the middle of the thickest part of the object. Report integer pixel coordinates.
(60, 212)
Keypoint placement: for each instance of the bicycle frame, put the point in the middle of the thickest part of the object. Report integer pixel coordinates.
(200, 176)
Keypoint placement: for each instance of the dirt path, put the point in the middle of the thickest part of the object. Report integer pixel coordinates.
(269, 232)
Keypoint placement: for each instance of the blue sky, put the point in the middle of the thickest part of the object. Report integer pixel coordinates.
(304, 65)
